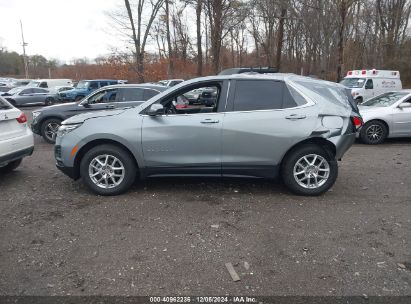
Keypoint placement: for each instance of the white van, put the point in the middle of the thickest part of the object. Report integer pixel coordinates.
(50, 83)
(365, 84)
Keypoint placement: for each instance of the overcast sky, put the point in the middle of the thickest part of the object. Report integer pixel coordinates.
(63, 29)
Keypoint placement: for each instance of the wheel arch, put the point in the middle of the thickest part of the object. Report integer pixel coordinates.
(382, 121)
(320, 141)
(96, 142)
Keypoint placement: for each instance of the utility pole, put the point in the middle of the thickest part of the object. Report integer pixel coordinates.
(24, 44)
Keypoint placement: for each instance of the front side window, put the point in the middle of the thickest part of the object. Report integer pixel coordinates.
(43, 85)
(26, 91)
(207, 97)
(105, 96)
(93, 85)
(369, 84)
(252, 95)
(82, 85)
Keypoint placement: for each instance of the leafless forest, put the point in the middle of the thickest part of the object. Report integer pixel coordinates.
(189, 38)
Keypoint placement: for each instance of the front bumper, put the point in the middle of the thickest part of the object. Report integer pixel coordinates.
(5, 159)
(67, 170)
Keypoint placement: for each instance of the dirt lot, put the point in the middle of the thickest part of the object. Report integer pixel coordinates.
(174, 236)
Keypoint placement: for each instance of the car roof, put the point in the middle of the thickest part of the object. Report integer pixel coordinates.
(98, 80)
(141, 85)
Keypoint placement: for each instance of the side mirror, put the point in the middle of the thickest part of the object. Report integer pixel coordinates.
(85, 103)
(405, 105)
(155, 109)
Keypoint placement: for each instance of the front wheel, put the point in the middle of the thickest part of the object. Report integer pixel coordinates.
(309, 170)
(49, 130)
(108, 170)
(373, 133)
(10, 166)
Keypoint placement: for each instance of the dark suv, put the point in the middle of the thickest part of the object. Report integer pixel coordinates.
(85, 87)
(47, 120)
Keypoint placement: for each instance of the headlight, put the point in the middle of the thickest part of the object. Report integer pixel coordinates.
(35, 115)
(64, 129)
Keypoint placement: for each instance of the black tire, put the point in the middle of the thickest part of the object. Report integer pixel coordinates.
(359, 100)
(123, 156)
(295, 155)
(78, 98)
(46, 129)
(11, 166)
(374, 132)
(49, 101)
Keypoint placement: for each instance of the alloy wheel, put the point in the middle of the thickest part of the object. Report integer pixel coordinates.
(374, 133)
(51, 130)
(106, 171)
(311, 171)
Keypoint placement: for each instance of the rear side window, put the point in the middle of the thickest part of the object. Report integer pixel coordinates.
(43, 85)
(252, 95)
(132, 94)
(35, 90)
(149, 93)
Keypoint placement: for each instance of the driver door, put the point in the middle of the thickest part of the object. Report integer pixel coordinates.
(185, 143)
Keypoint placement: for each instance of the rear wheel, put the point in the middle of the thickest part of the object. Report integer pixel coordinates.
(10, 166)
(49, 129)
(108, 170)
(374, 132)
(49, 101)
(309, 170)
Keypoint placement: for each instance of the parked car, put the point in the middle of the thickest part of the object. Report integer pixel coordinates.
(49, 83)
(387, 115)
(84, 88)
(208, 96)
(61, 89)
(366, 84)
(16, 138)
(261, 126)
(14, 84)
(47, 120)
(193, 96)
(30, 96)
(170, 82)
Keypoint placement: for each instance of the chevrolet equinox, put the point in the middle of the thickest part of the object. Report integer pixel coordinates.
(257, 126)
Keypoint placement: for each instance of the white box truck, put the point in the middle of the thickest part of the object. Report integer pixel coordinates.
(365, 84)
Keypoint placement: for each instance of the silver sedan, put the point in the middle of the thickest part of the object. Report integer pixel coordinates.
(386, 115)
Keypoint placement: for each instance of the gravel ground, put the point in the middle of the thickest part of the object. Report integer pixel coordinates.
(174, 236)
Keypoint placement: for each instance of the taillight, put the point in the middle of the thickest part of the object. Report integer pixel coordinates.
(22, 118)
(357, 121)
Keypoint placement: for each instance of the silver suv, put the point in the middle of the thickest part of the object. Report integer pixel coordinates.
(257, 126)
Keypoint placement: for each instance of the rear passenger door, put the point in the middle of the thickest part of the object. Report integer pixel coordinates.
(264, 119)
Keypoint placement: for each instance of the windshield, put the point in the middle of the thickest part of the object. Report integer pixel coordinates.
(82, 85)
(384, 100)
(353, 82)
(34, 84)
(14, 91)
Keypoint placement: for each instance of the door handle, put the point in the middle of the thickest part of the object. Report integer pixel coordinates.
(110, 107)
(209, 121)
(295, 117)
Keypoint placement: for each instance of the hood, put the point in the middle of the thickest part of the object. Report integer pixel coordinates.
(60, 107)
(82, 117)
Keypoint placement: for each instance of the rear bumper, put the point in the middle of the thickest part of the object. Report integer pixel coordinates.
(343, 144)
(5, 159)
